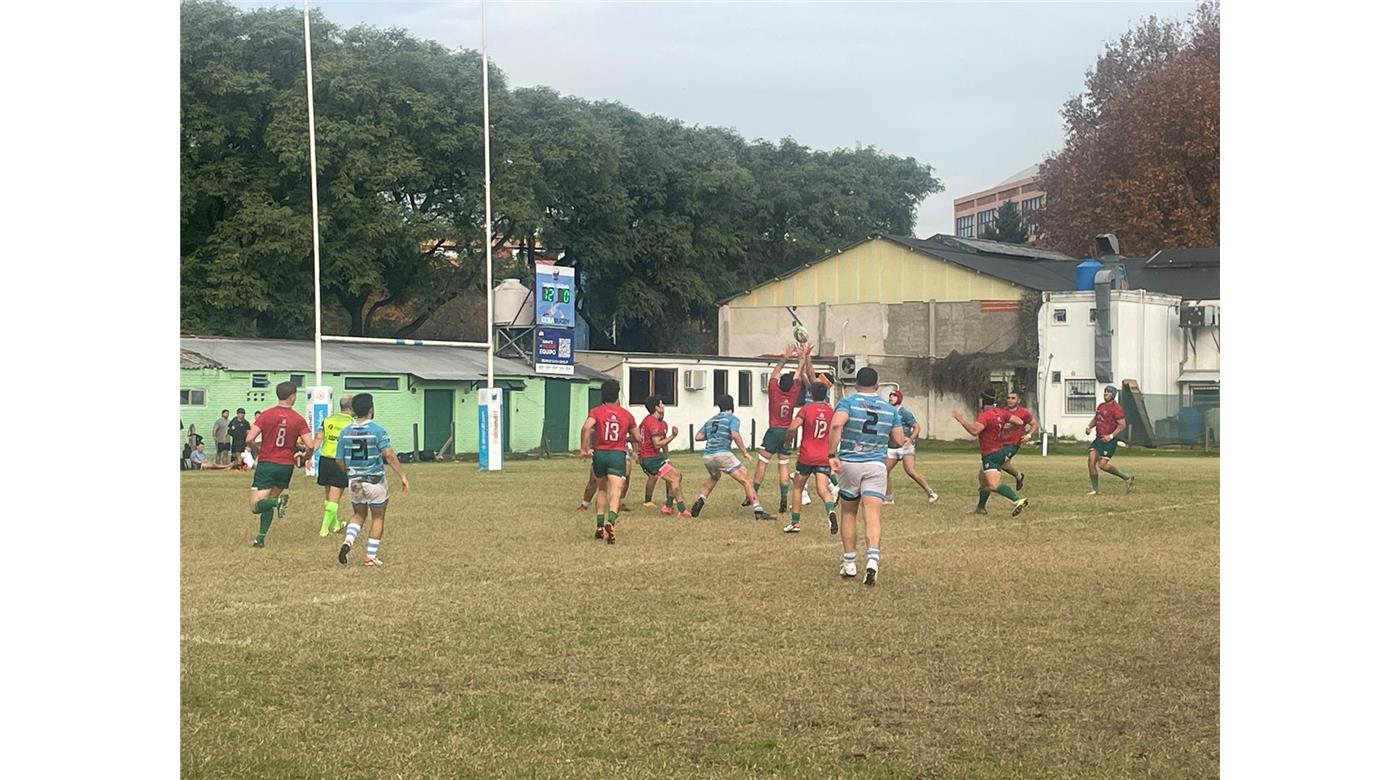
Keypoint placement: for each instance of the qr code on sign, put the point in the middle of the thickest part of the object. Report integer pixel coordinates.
(566, 348)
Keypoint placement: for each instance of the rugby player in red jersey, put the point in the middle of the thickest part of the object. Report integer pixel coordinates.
(814, 420)
(1108, 422)
(784, 390)
(281, 429)
(652, 453)
(989, 432)
(604, 438)
(1015, 436)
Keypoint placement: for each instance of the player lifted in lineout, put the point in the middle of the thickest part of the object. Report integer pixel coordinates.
(1015, 436)
(654, 459)
(905, 454)
(1108, 422)
(362, 450)
(784, 390)
(989, 428)
(281, 430)
(868, 429)
(719, 434)
(604, 438)
(814, 458)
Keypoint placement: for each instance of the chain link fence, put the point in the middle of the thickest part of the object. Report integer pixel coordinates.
(1190, 419)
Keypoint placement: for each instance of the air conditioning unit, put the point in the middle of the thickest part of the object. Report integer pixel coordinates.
(848, 365)
(1193, 316)
(763, 381)
(1212, 316)
(695, 379)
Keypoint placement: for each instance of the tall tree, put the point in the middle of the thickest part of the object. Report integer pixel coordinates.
(1007, 226)
(662, 218)
(1142, 147)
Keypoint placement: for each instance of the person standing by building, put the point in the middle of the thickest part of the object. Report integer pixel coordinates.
(238, 434)
(1108, 422)
(221, 440)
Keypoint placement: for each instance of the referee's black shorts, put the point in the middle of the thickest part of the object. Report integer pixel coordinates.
(329, 473)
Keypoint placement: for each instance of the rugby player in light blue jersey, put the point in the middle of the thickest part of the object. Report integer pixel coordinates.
(869, 427)
(719, 434)
(362, 450)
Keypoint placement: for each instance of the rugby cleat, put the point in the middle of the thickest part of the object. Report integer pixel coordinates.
(848, 570)
(344, 556)
(373, 561)
(792, 528)
(697, 506)
(258, 543)
(1020, 506)
(872, 570)
(1020, 480)
(831, 522)
(609, 533)
(932, 496)
(666, 510)
(981, 510)
(759, 514)
(282, 505)
(1131, 480)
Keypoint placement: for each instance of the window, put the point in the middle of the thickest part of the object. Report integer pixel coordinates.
(745, 388)
(1079, 396)
(985, 220)
(1093, 316)
(1206, 397)
(1060, 316)
(721, 384)
(299, 380)
(371, 383)
(260, 380)
(1055, 377)
(964, 226)
(643, 382)
(191, 397)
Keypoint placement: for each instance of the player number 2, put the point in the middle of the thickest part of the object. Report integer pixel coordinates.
(359, 450)
(869, 426)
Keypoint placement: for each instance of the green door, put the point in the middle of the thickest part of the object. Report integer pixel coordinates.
(437, 419)
(595, 399)
(556, 414)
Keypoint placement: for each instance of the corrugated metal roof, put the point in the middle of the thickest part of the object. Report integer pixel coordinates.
(453, 364)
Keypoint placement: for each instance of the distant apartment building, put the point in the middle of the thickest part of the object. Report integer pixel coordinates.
(973, 213)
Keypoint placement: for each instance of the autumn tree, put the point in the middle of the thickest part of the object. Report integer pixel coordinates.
(1142, 147)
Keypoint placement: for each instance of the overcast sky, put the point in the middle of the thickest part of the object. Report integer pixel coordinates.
(972, 89)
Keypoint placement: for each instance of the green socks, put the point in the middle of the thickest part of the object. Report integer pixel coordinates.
(1008, 491)
(612, 518)
(1094, 480)
(796, 516)
(1120, 473)
(669, 501)
(757, 486)
(264, 505)
(782, 492)
(831, 506)
(600, 521)
(982, 496)
(328, 518)
(264, 522)
(648, 498)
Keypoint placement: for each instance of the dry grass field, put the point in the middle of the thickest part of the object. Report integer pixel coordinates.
(1080, 639)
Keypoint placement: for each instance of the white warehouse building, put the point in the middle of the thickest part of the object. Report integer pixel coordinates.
(1162, 346)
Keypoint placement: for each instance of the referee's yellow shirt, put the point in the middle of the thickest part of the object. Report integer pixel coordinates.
(332, 426)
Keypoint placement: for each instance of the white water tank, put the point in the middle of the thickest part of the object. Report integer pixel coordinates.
(514, 306)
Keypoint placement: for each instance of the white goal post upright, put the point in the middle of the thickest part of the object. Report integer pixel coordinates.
(489, 397)
(318, 396)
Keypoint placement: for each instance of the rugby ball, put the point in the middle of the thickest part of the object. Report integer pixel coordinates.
(800, 334)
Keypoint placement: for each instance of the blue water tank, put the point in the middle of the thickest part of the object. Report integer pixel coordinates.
(1190, 424)
(1084, 273)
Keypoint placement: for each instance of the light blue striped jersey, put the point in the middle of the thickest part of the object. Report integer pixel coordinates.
(906, 420)
(866, 434)
(718, 430)
(361, 446)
